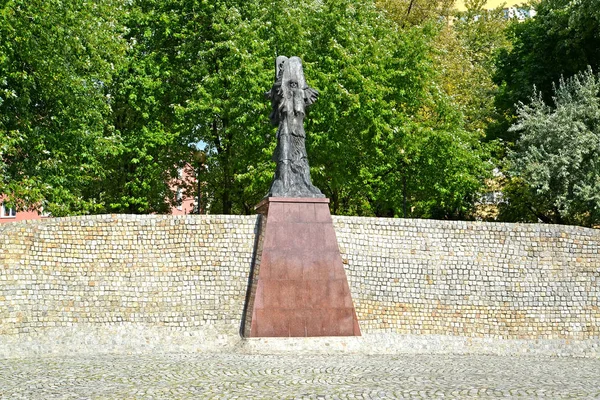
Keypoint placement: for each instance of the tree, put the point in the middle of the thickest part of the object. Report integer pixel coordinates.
(556, 166)
(387, 140)
(416, 12)
(562, 39)
(466, 52)
(111, 123)
(379, 124)
(225, 62)
(144, 93)
(56, 60)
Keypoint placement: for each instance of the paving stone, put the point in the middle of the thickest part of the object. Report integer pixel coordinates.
(227, 376)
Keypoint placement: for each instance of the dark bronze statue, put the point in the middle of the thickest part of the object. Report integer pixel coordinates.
(290, 95)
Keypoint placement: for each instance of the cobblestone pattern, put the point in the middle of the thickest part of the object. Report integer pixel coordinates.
(182, 272)
(504, 281)
(228, 376)
(186, 277)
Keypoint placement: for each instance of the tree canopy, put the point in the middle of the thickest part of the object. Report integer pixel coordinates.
(99, 109)
(556, 164)
(562, 40)
(57, 59)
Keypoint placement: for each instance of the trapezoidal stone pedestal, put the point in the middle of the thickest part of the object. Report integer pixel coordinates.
(299, 286)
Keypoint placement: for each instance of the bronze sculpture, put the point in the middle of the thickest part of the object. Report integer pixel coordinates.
(290, 95)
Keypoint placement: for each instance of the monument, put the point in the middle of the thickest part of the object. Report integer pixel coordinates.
(290, 96)
(298, 284)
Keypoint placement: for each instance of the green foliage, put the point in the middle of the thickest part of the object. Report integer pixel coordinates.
(561, 40)
(100, 108)
(409, 13)
(225, 65)
(379, 123)
(556, 167)
(56, 60)
(383, 137)
(143, 94)
(468, 48)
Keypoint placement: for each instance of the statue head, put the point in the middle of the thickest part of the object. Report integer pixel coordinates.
(290, 91)
(293, 75)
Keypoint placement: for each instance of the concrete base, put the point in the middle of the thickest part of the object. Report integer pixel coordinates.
(148, 339)
(299, 284)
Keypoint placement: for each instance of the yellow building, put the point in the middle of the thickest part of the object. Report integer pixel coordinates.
(460, 4)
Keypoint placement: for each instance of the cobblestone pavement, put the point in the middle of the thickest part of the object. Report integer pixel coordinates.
(226, 376)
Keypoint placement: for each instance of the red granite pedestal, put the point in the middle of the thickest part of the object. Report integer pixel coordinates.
(299, 286)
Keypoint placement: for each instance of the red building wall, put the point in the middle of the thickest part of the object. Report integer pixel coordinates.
(185, 185)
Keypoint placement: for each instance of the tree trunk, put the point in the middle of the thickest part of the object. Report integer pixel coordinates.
(410, 6)
(404, 194)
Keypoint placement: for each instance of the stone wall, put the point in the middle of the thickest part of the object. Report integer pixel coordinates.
(138, 280)
(137, 283)
(496, 280)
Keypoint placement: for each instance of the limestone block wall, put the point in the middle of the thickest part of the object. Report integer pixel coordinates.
(157, 280)
(494, 280)
(184, 273)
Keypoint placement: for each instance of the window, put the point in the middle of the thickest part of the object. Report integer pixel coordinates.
(6, 212)
(43, 211)
(492, 198)
(179, 199)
